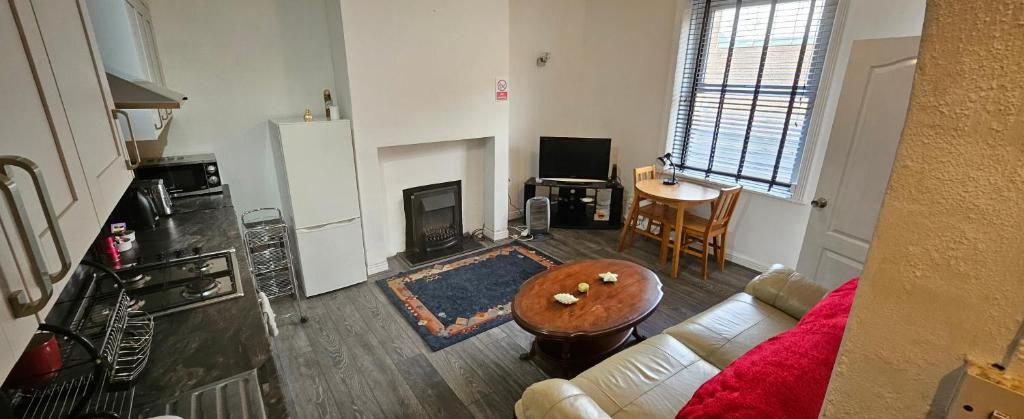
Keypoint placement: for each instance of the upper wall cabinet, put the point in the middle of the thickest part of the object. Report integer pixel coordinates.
(63, 166)
(124, 33)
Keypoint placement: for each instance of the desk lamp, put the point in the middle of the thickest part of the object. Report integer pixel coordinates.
(666, 161)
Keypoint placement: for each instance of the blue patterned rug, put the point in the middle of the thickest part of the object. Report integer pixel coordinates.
(453, 300)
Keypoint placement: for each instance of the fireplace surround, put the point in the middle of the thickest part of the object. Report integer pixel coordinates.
(433, 223)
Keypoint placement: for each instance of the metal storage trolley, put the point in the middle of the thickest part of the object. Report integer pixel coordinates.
(270, 258)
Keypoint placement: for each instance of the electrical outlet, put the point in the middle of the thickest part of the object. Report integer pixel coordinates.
(986, 392)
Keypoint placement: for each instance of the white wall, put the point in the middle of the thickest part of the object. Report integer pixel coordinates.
(241, 63)
(611, 74)
(628, 67)
(769, 230)
(610, 63)
(432, 163)
(422, 72)
(336, 30)
(544, 100)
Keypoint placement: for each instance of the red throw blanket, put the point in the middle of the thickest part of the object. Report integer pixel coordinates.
(785, 376)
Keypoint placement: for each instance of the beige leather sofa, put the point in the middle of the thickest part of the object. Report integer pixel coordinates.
(656, 377)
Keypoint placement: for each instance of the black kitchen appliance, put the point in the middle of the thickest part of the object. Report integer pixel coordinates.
(136, 209)
(157, 192)
(187, 175)
(169, 282)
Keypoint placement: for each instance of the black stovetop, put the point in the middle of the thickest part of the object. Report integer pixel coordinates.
(180, 283)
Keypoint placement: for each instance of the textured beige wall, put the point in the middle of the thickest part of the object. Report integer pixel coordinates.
(945, 276)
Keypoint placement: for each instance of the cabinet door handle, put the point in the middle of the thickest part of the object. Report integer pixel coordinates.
(19, 300)
(43, 193)
(160, 116)
(135, 143)
(21, 304)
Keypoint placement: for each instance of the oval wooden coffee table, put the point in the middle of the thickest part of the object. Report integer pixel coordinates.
(580, 335)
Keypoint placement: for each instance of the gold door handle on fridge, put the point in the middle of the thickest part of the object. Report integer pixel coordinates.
(21, 304)
(135, 143)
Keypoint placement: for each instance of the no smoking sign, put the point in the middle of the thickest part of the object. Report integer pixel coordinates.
(500, 89)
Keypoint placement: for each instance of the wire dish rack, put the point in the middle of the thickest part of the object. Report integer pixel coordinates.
(133, 351)
(267, 241)
(59, 400)
(104, 348)
(101, 319)
(125, 334)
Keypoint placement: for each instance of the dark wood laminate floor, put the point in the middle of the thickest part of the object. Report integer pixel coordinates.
(357, 357)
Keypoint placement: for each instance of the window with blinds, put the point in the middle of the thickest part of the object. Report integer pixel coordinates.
(749, 73)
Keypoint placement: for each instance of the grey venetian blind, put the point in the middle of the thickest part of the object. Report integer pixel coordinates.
(749, 74)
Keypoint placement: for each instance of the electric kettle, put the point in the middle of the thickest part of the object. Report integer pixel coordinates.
(136, 209)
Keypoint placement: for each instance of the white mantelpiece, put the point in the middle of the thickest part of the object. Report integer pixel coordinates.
(417, 165)
(379, 221)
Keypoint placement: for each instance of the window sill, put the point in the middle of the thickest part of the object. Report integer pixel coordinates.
(793, 199)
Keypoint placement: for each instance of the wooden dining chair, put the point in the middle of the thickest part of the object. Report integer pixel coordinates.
(711, 233)
(644, 173)
(655, 214)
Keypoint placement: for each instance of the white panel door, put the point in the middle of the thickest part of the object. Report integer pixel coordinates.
(861, 150)
(320, 169)
(331, 256)
(77, 69)
(81, 80)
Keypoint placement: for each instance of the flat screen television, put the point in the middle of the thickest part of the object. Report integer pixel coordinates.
(569, 158)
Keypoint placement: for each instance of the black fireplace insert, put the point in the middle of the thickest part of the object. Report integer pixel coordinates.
(433, 222)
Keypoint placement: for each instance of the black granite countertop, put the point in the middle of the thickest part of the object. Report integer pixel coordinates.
(205, 344)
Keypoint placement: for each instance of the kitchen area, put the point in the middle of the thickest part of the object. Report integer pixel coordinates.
(135, 286)
(210, 345)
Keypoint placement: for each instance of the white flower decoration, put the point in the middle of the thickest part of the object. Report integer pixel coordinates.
(608, 277)
(566, 298)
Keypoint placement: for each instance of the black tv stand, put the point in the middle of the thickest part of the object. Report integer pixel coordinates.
(569, 209)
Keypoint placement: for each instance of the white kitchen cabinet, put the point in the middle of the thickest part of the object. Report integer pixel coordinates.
(144, 20)
(55, 111)
(78, 72)
(126, 41)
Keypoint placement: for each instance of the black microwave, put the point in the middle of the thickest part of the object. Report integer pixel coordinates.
(194, 174)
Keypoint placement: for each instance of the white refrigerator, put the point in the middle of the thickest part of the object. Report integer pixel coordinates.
(317, 179)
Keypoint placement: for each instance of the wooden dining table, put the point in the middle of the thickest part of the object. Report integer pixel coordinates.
(680, 196)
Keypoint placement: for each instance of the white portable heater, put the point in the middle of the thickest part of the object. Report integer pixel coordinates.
(538, 215)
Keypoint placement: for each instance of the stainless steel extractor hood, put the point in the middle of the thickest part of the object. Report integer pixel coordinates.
(142, 94)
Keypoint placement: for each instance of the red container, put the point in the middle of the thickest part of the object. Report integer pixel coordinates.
(38, 364)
